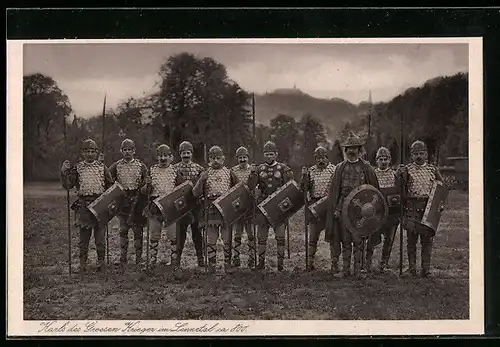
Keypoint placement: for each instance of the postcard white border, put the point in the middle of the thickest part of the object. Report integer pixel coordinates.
(16, 326)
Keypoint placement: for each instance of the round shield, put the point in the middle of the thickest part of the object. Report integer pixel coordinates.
(364, 211)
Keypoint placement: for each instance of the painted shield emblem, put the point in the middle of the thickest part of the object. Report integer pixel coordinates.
(235, 203)
(364, 211)
(318, 211)
(176, 204)
(393, 199)
(435, 205)
(282, 204)
(107, 205)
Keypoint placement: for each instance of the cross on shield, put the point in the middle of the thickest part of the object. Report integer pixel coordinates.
(235, 203)
(364, 211)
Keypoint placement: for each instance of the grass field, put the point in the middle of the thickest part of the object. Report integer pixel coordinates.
(50, 293)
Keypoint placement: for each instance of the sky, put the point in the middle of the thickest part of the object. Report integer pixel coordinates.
(85, 72)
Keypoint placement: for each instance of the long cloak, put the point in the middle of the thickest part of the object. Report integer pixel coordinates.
(332, 232)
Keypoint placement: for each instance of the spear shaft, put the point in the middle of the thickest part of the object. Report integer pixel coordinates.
(401, 213)
(103, 161)
(306, 205)
(254, 226)
(67, 202)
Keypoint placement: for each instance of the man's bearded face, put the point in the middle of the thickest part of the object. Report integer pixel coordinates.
(89, 154)
(128, 152)
(383, 162)
(270, 157)
(419, 157)
(321, 160)
(352, 153)
(186, 155)
(242, 159)
(217, 161)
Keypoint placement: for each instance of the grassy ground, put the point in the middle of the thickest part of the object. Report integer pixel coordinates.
(50, 293)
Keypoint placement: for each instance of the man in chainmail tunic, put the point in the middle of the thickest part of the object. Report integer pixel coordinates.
(349, 174)
(268, 177)
(242, 172)
(91, 178)
(131, 173)
(214, 182)
(418, 177)
(386, 177)
(160, 182)
(316, 180)
(187, 170)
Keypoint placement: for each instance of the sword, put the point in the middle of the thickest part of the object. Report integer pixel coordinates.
(67, 203)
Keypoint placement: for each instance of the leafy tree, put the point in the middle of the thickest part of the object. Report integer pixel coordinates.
(313, 131)
(45, 112)
(284, 132)
(199, 103)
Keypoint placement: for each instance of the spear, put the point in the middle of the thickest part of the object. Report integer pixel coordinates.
(401, 214)
(103, 154)
(255, 197)
(205, 203)
(67, 202)
(306, 207)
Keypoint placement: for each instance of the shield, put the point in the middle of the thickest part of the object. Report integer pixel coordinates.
(108, 204)
(235, 203)
(318, 211)
(364, 211)
(435, 205)
(393, 199)
(175, 205)
(282, 204)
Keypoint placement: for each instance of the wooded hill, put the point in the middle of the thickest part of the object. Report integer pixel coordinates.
(197, 101)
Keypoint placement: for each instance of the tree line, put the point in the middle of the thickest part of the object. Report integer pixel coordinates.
(436, 113)
(198, 102)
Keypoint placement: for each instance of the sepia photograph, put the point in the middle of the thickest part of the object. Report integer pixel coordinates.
(208, 187)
